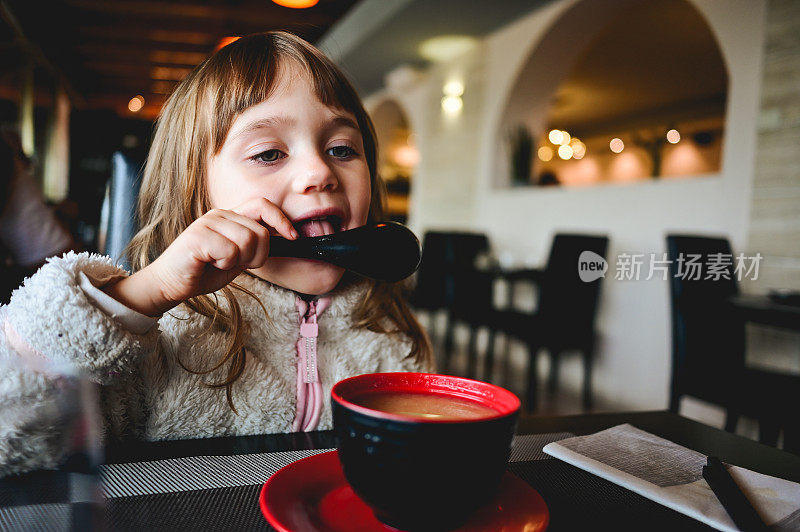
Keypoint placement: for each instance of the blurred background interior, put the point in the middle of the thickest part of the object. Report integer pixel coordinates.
(514, 135)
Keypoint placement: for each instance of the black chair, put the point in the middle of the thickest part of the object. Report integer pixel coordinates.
(120, 223)
(565, 314)
(433, 289)
(473, 307)
(708, 343)
(446, 280)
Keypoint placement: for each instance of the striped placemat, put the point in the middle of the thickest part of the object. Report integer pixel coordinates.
(198, 492)
(194, 473)
(54, 516)
(208, 472)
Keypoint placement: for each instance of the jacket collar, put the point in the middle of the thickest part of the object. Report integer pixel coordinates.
(281, 302)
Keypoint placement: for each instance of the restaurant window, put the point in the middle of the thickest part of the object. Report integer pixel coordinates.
(397, 156)
(633, 93)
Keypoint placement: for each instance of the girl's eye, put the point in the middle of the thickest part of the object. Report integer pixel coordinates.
(269, 156)
(342, 152)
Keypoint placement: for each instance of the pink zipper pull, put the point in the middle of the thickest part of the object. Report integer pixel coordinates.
(309, 331)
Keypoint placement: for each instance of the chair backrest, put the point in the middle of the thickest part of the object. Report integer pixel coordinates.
(121, 223)
(565, 301)
(447, 258)
(472, 289)
(706, 336)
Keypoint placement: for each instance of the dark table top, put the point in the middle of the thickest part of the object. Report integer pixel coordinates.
(702, 438)
(765, 310)
(564, 487)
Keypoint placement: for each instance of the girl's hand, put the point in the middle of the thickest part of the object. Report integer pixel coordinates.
(208, 255)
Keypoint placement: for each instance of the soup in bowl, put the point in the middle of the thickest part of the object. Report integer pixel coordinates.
(423, 450)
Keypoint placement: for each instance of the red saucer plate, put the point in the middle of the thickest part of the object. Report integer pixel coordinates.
(312, 495)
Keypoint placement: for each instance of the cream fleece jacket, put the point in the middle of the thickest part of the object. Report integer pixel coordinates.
(145, 391)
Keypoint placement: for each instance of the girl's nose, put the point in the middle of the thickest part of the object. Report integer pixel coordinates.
(315, 176)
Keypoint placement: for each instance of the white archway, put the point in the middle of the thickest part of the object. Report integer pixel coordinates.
(398, 155)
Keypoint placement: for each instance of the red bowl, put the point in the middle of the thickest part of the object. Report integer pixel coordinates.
(502, 401)
(420, 473)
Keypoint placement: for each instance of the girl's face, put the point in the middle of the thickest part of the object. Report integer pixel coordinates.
(306, 158)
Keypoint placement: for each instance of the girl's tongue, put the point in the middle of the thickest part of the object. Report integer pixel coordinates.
(313, 228)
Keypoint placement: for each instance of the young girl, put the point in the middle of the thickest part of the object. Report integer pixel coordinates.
(210, 336)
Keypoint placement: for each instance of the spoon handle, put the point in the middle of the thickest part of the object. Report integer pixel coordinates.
(385, 252)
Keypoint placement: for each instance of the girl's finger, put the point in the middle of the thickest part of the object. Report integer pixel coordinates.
(214, 248)
(260, 251)
(243, 236)
(266, 211)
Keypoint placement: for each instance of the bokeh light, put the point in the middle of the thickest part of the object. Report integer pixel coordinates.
(446, 47)
(296, 4)
(578, 148)
(453, 88)
(136, 103)
(452, 104)
(673, 137)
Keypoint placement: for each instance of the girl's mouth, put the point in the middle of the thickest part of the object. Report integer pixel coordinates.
(319, 226)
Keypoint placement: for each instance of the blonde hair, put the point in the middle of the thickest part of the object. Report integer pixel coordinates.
(193, 125)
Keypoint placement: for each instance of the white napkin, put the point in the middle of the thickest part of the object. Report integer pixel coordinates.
(672, 475)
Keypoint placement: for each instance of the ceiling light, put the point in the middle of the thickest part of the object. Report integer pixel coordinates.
(445, 47)
(616, 145)
(136, 103)
(555, 136)
(296, 4)
(452, 105)
(565, 138)
(453, 88)
(673, 137)
(545, 153)
(565, 152)
(225, 41)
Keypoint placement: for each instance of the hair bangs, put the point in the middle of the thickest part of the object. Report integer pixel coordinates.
(243, 74)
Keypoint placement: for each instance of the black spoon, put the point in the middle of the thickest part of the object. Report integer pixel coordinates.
(385, 252)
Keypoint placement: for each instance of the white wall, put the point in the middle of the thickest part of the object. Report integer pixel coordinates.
(446, 180)
(455, 186)
(775, 218)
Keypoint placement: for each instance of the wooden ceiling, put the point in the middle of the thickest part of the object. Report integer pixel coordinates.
(109, 51)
